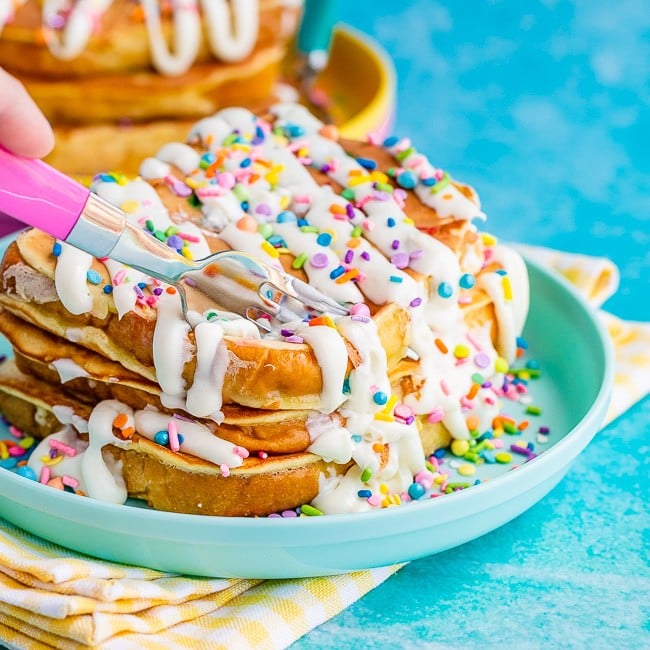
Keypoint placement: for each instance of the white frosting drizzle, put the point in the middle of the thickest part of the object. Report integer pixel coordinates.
(231, 27)
(72, 266)
(68, 370)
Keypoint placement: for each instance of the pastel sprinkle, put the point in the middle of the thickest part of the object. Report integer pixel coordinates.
(319, 261)
(467, 469)
(310, 511)
(94, 277)
(445, 290)
(366, 475)
(503, 457)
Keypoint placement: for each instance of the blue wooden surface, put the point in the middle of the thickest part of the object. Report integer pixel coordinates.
(543, 107)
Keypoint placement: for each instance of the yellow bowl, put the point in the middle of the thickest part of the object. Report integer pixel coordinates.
(359, 82)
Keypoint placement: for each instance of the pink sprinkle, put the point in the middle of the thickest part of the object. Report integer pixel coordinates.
(467, 403)
(294, 338)
(263, 455)
(436, 415)
(62, 447)
(374, 138)
(444, 387)
(70, 481)
(425, 478)
(498, 443)
(240, 451)
(403, 411)
(119, 277)
(360, 309)
(488, 400)
(225, 470)
(374, 500)
(368, 225)
(172, 430)
(363, 201)
(226, 180)
(15, 450)
(465, 300)
(16, 432)
(302, 198)
(472, 339)
(45, 475)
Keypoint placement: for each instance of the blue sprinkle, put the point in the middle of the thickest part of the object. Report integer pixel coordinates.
(532, 365)
(259, 132)
(286, 216)
(522, 343)
(161, 438)
(367, 163)
(488, 456)
(501, 272)
(391, 141)
(303, 222)
(390, 222)
(294, 130)
(364, 494)
(9, 463)
(142, 285)
(245, 205)
(337, 272)
(108, 288)
(440, 453)
(247, 162)
(26, 472)
(324, 239)
(396, 279)
(346, 386)
(277, 241)
(356, 438)
(93, 276)
(106, 178)
(445, 290)
(428, 182)
(380, 398)
(407, 179)
(416, 491)
(467, 281)
(56, 249)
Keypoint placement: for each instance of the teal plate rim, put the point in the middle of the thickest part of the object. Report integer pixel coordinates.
(313, 546)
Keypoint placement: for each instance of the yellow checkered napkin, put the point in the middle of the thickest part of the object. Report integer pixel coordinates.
(54, 598)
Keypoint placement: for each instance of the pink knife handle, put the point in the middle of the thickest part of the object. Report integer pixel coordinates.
(36, 194)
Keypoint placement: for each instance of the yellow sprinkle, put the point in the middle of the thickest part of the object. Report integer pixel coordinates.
(285, 201)
(384, 417)
(461, 351)
(4, 453)
(129, 206)
(439, 480)
(358, 180)
(408, 221)
(489, 444)
(383, 488)
(187, 253)
(397, 500)
(467, 469)
(378, 177)
(497, 432)
(488, 240)
(507, 287)
(390, 404)
(386, 502)
(459, 447)
(239, 146)
(46, 460)
(270, 250)
(272, 179)
(501, 365)
(192, 182)
(503, 457)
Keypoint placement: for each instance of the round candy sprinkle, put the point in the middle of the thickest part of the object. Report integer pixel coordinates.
(445, 290)
(380, 398)
(107, 289)
(466, 469)
(324, 239)
(319, 260)
(360, 309)
(500, 365)
(459, 447)
(93, 276)
(416, 491)
(286, 216)
(461, 351)
(467, 281)
(503, 457)
(161, 438)
(407, 179)
(56, 249)
(26, 472)
(482, 360)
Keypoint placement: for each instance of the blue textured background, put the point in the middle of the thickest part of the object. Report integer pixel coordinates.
(544, 107)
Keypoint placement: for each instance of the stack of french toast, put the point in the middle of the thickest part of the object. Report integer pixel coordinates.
(208, 411)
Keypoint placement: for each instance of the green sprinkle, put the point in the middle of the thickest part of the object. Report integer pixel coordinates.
(441, 184)
(471, 456)
(510, 428)
(172, 230)
(478, 378)
(310, 511)
(356, 231)
(430, 466)
(150, 225)
(230, 139)
(159, 234)
(366, 474)
(405, 154)
(299, 262)
(309, 229)
(348, 194)
(533, 410)
(392, 172)
(241, 192)
(385, 187)
(265, 229)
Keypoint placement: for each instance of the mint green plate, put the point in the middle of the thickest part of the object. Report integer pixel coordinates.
(573, 351)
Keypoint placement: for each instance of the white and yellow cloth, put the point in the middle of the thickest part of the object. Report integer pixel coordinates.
(51, 597)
